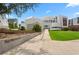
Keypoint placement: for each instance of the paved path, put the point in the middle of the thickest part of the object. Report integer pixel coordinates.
(43, 45)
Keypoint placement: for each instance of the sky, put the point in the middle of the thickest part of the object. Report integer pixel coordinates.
(51, 9)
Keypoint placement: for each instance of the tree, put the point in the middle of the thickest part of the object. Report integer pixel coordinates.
(17, 8)
(37, 28)
(22, 28)
(11, 25)
(16, 26)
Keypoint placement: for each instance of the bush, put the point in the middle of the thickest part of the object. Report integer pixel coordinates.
(37, 28)
(74, 28)
(65, 29)
(22, 28)
(13, 26)
(7, 31)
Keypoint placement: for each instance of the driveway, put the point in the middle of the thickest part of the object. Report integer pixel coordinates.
(43, 45)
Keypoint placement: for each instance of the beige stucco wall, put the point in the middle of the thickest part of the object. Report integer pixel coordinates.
(3, 23)
(30, 22)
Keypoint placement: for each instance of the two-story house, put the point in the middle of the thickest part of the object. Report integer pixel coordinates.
(74, 23)
(55, 22)
(31, 21)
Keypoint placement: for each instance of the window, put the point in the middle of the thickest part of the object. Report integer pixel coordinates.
(69, 22)
(46, 25)
(56, 27)
(46, 21)
(78, 20)
(50, 21)
(30, 26)
(64, 21)
(72, 22)
(55, 20)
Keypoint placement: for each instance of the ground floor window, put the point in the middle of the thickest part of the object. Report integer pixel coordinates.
(46, 26)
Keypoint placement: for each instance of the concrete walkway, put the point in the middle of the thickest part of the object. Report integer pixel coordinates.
(43, 45)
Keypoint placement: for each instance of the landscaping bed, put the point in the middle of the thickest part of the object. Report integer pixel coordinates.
(9, 43)
(64, 35)
(4, 33)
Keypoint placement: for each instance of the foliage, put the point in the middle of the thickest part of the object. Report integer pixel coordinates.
(22, 28)
(65, 29)
(17, 8)
(74, 28)
(37, 28)
(16, 25)
(6, 31)
(13, 25)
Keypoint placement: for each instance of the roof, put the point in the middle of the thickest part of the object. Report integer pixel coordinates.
(32, 19)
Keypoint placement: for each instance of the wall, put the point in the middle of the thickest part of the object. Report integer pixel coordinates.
(3, 23)
(75, 21)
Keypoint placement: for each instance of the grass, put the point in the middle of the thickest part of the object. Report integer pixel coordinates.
(64, 35)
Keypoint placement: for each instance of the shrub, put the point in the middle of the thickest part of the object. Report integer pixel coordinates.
(37, 28)
(22, 28)
(13, 26)
(7, 31)
(65, 29)
(74, 28)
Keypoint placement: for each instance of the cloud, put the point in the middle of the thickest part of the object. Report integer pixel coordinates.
(76, 14)
(48, 11)
(72, 4)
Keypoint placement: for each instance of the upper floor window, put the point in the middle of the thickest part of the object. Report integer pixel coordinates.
(46, 21)
(64, 21)
(55, 20)
(78, 20)
(50, 21)
(55, 17)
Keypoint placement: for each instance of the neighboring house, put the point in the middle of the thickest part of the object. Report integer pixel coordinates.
(31, 21)
(3, 22)
(74, 23)
(55, 22)
(13, 23)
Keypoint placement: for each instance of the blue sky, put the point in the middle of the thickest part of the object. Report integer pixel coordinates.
(51, 9)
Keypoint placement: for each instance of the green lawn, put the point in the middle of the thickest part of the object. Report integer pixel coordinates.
(64, 35)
